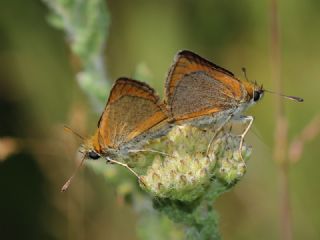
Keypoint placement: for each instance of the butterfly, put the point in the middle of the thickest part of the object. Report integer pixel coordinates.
(200, 93)
(133, 115)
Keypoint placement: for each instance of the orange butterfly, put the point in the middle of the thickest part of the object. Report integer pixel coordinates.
(200, 92)
(132, 116)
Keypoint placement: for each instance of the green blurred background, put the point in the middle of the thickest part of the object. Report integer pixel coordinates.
(39, 94)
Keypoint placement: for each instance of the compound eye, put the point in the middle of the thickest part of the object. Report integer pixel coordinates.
(256, 95)
(93, 155)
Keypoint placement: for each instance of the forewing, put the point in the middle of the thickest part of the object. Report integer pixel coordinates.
(132, 110)
(197, 87)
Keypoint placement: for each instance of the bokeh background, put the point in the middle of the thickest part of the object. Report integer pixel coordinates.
(39, 94)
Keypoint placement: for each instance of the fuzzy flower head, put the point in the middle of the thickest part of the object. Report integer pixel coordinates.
(185, 170)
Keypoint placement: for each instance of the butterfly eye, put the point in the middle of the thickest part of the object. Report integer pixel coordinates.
(257, 95)
(93, 155)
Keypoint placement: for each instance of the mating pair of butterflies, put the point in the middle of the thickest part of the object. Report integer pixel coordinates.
(197, 91)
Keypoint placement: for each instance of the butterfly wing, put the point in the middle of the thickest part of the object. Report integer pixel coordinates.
(196, 87)
(133, 112)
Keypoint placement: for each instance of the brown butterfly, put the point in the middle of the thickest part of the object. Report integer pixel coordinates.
(132, 116)
(200, 92)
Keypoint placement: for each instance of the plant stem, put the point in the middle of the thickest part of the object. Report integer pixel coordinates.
(286, 222)
(280, 149)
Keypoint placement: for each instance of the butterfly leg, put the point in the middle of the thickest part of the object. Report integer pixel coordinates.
(109, 160)
(217, 131)
(245, 119)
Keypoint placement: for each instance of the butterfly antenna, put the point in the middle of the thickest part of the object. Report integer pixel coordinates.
(67, 184)
(244, 70)
(70, 130)
(294, 98)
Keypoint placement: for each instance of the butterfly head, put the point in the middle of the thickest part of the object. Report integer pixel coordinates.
(254, 91)
(258, 92)
(92, 148)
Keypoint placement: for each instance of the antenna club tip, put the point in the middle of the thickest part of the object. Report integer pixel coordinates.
(65, 186)
(298, 99)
